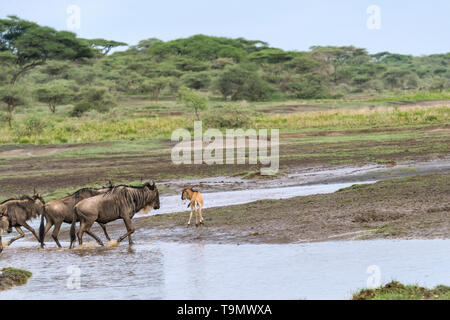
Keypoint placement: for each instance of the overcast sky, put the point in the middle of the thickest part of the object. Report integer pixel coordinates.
(402, 26)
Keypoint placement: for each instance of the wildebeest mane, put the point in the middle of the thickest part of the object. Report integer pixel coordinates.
(24, 197)
(129, 198)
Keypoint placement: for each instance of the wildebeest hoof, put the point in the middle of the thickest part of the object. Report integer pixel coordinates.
(196, 224)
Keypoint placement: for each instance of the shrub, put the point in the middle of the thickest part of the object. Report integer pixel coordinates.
(243, 83)
(192, 100)
(32, 126)
(228, 117)
(93, 98)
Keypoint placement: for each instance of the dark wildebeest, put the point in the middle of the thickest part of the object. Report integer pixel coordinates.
(4, 226)
(121, 202)
(58, 211)
(19, 211)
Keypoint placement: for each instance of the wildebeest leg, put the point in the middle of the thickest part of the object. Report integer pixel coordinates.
(95, 237)
(56, 232)
(48, 225)
(26, 225)
(20, 236)
(130, 229)
(190, 217)
(80, 232)
(1, 243)
(104, 230)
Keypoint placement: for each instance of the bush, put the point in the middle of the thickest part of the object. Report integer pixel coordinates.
(192, 100)
(228, 117)
(93, 98)
(32, 126)
(243, 84)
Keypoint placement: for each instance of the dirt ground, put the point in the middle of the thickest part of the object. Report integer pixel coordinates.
(48, 169)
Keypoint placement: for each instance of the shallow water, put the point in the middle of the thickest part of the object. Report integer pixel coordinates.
(224, 198)
(158, 270)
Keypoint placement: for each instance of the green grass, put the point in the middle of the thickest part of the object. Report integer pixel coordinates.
(10, 277)
(142, 120)
(398, 291)
(418, 96)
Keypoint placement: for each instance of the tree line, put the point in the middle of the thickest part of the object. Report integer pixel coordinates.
(39, 63)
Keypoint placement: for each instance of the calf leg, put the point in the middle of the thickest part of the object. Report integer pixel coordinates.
(190, 217)
(20, 236)
(196, 216)
(130, 229)
(201, 217)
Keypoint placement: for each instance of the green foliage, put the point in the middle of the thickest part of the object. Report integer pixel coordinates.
(155, 85)
(395, 290)
(243, 83)
(31, 126)
(270, 56)
(104, 46)
(13, 277)
(93, 98)
(196, 80)
(192, 100)
(12, 97)
(54, 94)
(30, 45)
(51, 63)
(228, 117)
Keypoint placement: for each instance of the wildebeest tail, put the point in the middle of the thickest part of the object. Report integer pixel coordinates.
(72, 227)
(42, 229)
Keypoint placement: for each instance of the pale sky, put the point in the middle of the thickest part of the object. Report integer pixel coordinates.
(406, 26)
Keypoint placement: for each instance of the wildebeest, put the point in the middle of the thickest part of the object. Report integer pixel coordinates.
(4, 226)
(121, 202)
(58, 211)
(19, 211)
(195, 202)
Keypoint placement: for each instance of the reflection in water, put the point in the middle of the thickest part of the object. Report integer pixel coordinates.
(327, 270)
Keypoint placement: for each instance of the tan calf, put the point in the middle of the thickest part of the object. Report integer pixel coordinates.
(195, 202)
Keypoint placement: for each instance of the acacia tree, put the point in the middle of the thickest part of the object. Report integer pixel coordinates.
(192, 100)
(53, 94)
(336, 56)
(104, 46)
(155, 85)
(26, 45)
(11, 98)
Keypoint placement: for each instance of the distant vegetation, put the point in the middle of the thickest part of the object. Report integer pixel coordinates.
(396, 291)
(40, 65)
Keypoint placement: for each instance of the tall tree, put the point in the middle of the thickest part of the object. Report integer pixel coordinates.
(105, 46)
(27, 45)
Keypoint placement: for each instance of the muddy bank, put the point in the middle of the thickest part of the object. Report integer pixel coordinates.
(413, 207)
